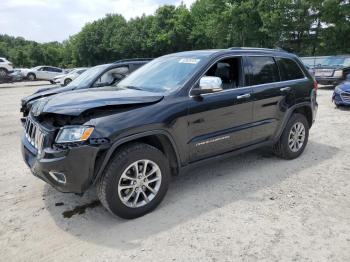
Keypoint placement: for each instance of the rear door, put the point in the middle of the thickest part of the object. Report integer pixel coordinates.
(46, 73)
(53, 71)
(41, 73)
(273, 92)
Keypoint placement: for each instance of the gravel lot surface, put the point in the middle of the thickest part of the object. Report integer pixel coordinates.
(253, 207)
(26, 84)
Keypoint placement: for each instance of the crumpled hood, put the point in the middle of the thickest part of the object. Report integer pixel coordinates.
(76, 102)
(46, 91)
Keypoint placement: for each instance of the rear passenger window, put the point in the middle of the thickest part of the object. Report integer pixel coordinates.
(261, 70)
(289, 69)
(53, 69)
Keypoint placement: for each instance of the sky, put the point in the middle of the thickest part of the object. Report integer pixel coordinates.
(55, 20)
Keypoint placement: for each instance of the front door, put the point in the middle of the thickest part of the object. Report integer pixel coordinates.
(220, 122)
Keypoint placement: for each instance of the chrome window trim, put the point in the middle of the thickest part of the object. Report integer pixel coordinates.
(243, 87)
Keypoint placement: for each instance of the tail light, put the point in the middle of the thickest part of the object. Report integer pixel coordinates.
(315, 87)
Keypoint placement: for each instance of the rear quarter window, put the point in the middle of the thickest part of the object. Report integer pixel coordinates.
(289, 69)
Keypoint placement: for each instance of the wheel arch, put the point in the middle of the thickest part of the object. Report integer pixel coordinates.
(159, 139)
(302, 108)
(306, 111)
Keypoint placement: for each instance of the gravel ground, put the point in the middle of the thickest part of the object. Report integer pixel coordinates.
(248, 208)
(26, 84)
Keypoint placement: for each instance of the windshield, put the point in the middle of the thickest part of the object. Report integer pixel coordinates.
(88, 76)
(337, 61)
(163, 75)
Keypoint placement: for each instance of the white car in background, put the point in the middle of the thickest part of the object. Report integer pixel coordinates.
(5, 67)
(42, 73)
(65, 79)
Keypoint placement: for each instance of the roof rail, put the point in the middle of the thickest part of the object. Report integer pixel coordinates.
(132, 59)
(257, 48)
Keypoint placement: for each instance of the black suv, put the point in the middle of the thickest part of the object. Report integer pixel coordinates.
(173, 113)
(97, 76)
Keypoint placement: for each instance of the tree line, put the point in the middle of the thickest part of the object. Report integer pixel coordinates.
(305, 27)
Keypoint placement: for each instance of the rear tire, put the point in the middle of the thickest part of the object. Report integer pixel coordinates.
(31, 77)
(125, 180)
(294, 138)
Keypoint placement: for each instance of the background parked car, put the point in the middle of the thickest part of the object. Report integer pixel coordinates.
(314, 61)
(5, 67)
(341, 95)
(42, 73)
(16, 75)
(101, 75)
(330, 70)
(65, 79)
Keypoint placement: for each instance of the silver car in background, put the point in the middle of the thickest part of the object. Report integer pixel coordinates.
(42, 73)
(65, 79)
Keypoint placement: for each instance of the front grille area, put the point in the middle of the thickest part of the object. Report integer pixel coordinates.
(345, 97)
(34, 134)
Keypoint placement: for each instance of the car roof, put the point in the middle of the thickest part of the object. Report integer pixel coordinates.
(235, 50)
(47, 66)
(134, 60)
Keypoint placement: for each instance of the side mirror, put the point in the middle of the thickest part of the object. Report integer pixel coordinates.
(207, 85)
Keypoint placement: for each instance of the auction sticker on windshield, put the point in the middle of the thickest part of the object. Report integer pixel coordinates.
(189, 61)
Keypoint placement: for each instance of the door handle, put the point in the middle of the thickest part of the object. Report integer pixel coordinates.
(243, 96)
(285, 89)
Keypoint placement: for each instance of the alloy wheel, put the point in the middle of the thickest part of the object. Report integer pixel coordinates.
(139, 183)
(296, 137)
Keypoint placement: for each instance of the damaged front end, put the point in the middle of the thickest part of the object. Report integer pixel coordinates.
(68, 165)
(62, 144)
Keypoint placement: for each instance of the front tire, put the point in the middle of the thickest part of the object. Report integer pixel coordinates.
(31, 77)
(294, 138)
(135, 181)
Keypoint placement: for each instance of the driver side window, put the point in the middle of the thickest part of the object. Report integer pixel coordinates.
(112, 76)
(228, 70)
